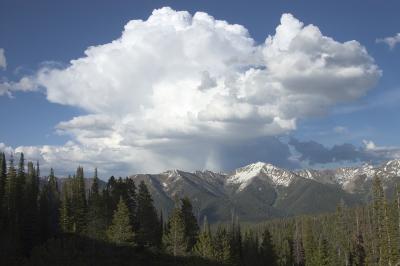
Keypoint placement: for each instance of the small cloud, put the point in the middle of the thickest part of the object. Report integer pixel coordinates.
(369, 145)
(340, 130)
(387, 152)
(390, 41)
(3, 62)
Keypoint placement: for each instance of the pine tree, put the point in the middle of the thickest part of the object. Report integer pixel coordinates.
(358, 256)
(236, 240)
(10, 195)
(161, 228)
(147, 218)
(120, 232)
(79, 202)
(175, 240)
(298, 249)
(3, 178)
(53, 181)
(250, 247)
(397, 225)
(310, 244)
(323, 257)
(95, 185)
(390, 232)
(190, 222)
(108, 205)
(37, 170)
(10, 244)
(49, 208)
(96, 212)
(370, 236)
(267, 251)
(222, 245)
(341, 235)
(204, 245)
(66, 219)
(20, 183)
(44, 213)
(31, 234)
(379, 220)
(285, 255)
(131, 202)
(54, 203)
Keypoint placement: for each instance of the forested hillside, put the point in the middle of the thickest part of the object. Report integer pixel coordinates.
(42, 224)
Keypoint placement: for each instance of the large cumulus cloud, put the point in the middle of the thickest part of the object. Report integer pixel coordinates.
(177, 83)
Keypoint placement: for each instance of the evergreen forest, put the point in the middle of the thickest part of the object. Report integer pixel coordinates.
(44, 223)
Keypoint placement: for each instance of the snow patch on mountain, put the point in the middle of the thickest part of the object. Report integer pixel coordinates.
(347, 176)
(276, 176)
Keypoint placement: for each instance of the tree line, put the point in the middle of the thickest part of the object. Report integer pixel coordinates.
(363, 235)
(41, 221)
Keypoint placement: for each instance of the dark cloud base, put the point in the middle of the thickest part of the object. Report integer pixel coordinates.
(316, 153)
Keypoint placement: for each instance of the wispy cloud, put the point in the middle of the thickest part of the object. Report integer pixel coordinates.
(390, 41)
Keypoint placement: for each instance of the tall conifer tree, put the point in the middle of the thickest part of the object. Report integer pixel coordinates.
(131, 201)
(20, 183)
(66, 219)
(175, 240)
(204, 245)
(190, 222)
(30, 225)
(120, 232)
(96, 226)
(267, 251)
(147, 218)
(10, 194)
(79, 202)
(3, 177)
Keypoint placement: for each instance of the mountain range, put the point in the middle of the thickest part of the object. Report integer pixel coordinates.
(262, 191)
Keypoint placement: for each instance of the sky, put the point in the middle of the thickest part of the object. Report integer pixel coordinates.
(132, 87)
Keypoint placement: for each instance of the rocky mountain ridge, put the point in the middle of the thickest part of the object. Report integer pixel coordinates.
(261, 190)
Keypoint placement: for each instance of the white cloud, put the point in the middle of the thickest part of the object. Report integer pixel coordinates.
(6, 149)
(194, 82)
(3, 62)
(390, 41)
(369, 145)
(384, 152)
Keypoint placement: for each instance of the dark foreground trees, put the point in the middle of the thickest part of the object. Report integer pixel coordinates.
(51, 221)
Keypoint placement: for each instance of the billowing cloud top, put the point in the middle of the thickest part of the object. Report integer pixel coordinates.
(181, 79)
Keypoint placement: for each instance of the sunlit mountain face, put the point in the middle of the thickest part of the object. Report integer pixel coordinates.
(262, 191)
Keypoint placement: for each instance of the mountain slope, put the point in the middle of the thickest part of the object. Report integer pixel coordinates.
(260, 191)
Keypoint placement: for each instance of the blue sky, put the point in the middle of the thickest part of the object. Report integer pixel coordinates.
(37, 35)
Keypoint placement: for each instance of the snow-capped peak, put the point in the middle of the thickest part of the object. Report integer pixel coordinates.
(246, 173)
(276, 176)
(392, 167)
(172, 172)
